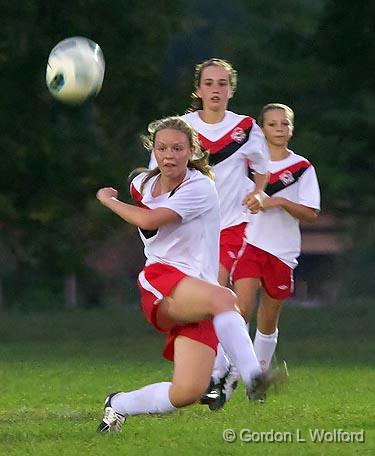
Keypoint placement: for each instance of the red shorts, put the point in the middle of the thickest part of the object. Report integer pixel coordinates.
(276, 276)
(157, 281)
(231, 240)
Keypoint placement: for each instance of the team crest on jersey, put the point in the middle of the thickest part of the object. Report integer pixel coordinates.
(238, 135)
(287, 177)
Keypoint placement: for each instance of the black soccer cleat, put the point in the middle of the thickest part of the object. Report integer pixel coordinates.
(219, 393)
(112, 420)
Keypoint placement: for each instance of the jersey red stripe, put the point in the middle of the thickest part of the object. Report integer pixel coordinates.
(216, 146)
(303, 164)
(137, 197)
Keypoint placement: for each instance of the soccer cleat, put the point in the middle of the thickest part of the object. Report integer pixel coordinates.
(256, 392)
(231, 382)
(210, 394)
(214, 399)
(218, 393)
(112, 420)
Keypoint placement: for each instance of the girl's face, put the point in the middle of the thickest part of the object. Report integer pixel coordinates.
(214, 88)
(172, 152)
(277, 128)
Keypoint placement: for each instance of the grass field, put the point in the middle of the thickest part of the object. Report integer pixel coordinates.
(56, 369)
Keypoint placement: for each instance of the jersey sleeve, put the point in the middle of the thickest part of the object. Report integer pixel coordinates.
(256, 150)
(308, 189)
(135, 186)
(193, 198)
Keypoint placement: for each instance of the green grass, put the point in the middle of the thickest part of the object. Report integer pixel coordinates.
(56, 369)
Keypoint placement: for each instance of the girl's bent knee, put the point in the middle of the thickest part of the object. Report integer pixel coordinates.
(224, 300)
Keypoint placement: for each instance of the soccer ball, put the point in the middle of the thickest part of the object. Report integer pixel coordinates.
(75, 70)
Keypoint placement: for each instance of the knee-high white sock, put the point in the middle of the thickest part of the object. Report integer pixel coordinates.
(265, 346)
(221, 365)
(149, 399)
(232, 333)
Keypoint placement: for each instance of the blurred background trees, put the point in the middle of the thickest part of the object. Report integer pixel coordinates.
(314, 56)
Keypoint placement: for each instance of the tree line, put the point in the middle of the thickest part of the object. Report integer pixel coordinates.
(316, 57)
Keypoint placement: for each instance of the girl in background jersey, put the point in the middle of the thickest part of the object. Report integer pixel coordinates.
(232, 140)
(273, 239)
(179, 223)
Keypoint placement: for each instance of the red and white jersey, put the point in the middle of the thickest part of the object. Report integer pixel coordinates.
(275, 230)
(232, 143)
(191, 244)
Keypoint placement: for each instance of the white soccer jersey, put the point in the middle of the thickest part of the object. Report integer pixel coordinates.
(191, 244)
(232, 143)
(275, 230)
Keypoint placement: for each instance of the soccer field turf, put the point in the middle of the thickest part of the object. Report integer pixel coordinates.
(56, 369)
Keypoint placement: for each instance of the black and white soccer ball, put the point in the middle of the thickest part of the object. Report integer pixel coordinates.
(75, 70)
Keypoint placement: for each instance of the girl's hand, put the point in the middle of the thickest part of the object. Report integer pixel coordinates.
(106, 193)
(254, 202)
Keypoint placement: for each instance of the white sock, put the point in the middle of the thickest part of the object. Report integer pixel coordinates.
(265, 346)
(149, 399)
(221, 365)
(232, 333)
